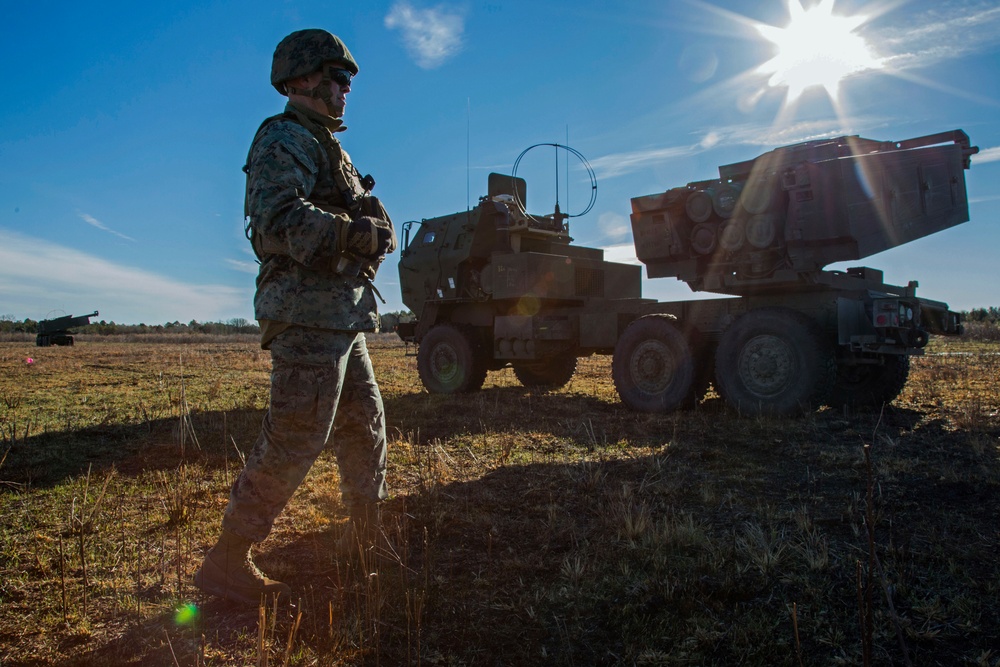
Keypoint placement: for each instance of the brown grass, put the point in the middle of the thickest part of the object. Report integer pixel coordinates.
(531, 528)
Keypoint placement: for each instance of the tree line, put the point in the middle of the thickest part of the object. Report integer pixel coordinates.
(989, 315)
(236, 325)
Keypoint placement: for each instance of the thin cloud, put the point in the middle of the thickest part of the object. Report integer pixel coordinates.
(983, 200)
(91, 220)
(614, 226)
(245, 267)
(431, 36)
(768, 137)
(986, 155)
(77, 282)
(622, 253)
(944, 33)
(620, 164)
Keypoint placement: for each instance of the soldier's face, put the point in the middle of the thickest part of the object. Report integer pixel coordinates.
(339, 87)
(339, 84)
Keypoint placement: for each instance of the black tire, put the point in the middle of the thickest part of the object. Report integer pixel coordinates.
(867, 386)
(774, 361)
(553, 373)
(450, 361)
(653, 367)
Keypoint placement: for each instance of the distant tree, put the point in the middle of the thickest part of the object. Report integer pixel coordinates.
(389, 321)
(975, 315)
(989, 315)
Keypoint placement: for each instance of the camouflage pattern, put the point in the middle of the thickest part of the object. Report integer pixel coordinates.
(322, 387)
(302, 192)
(296, 209)
(303, 51)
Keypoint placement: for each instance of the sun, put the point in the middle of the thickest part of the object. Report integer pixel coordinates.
(816, 48)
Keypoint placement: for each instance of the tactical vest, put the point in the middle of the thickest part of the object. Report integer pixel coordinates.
(318, 294)
(348, 193)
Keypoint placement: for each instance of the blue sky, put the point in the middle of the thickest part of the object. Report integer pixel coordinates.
(123, 126)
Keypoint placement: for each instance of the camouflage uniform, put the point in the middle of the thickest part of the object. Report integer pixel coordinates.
(300, 192)
(319, 237)
(301, 187)
(311, 370)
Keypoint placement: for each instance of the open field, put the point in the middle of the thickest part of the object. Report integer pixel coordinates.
(532, 528)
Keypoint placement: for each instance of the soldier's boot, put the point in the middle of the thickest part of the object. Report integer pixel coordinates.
(364, 536)
(230, 573)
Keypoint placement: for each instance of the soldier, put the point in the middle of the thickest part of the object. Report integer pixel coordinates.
(319, 236)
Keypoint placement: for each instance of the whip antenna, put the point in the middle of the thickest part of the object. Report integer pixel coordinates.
(468, 150)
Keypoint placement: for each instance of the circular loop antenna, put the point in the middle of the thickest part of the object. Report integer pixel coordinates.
(583, 161)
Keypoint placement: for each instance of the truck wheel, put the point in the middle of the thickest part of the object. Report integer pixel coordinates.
(554, 372)
(774, 361)
(449, 361)
(653, 367)
(870, 385)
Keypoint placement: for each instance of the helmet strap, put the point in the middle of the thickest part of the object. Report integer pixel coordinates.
(324, 93)
(321, 92)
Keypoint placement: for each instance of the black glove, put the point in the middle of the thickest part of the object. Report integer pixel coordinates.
(368, 237)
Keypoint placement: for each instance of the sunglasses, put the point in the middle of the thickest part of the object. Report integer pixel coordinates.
(341, 77)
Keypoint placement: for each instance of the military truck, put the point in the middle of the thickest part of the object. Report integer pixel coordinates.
(496, 286)
(57, 331)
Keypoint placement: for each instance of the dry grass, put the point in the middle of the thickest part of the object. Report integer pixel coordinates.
(531, 528)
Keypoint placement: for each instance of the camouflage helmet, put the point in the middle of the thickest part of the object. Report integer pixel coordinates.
(303, 52)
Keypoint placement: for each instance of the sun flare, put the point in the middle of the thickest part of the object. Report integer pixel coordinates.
(816, 48)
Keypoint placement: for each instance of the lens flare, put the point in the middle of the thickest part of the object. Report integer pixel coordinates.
(816, 48)
(186, 614)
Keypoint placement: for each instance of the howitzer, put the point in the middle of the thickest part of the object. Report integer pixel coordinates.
(56, 331)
